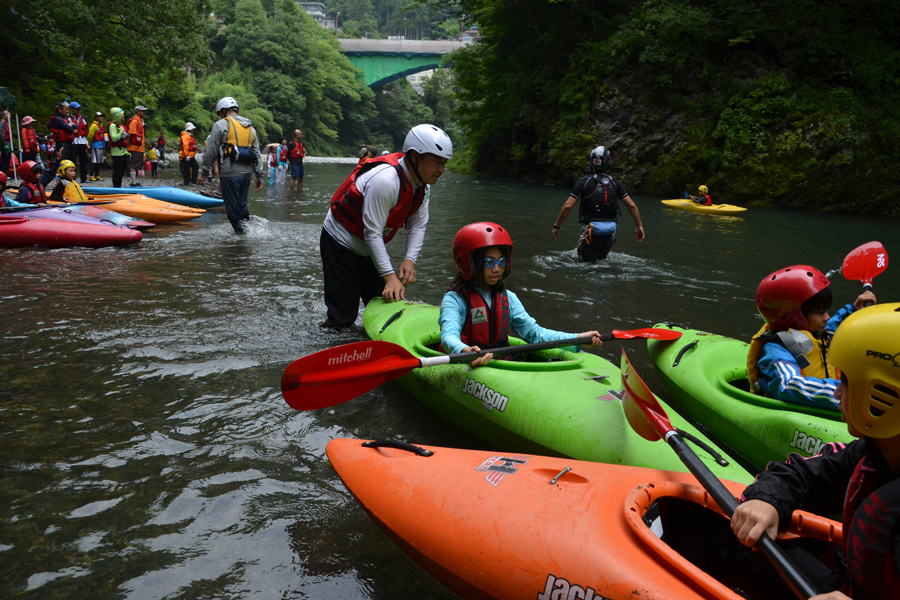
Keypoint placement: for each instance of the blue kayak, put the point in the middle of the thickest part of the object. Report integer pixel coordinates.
(164, 193)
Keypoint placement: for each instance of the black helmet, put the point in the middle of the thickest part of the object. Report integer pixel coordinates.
(599, 157)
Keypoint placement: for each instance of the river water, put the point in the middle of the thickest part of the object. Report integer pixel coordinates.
(146, 450)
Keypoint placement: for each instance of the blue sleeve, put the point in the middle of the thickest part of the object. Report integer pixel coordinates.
(11, 202)
(839, 317)
(783, 380)
(451, 320)
(529, 330)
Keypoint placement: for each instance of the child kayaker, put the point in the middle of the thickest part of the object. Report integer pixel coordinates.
(787, 359)
(31, 191)
(478, 311)
(703, 199)
(67, 189)
(861, 479)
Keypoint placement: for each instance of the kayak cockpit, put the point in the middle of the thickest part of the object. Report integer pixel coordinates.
(556, 359)
(734, 382)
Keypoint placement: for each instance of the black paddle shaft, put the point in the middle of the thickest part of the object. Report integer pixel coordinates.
(794, 577)
(525, 348)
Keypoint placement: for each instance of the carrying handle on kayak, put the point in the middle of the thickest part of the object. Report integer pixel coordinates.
(682, 352)
(709, 449)
(397, 444)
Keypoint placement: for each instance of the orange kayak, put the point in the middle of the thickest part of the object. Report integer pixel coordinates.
(148, 209)
(495, 525)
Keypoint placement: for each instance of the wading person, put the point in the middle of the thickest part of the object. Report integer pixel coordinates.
(80, 143)
(136, 144)
(374, 202)
(599, 195)
(118, 146)
(234, 146)
(296, 152)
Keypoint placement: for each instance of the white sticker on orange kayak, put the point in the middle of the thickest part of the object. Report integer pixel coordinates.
(558, 588)
(490, 399)
(498, 467)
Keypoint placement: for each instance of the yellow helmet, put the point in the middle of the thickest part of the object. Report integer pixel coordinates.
(61, 171)
(703, 189)
(866, 348)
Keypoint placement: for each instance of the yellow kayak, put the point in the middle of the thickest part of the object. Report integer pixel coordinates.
(148, 209)
(714, 209)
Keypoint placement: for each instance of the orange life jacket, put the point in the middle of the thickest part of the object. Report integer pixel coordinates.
(347, 201)
(136, 139)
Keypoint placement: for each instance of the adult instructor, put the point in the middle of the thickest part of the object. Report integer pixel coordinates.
(296, 152)
(234, 146)
(378, 198)
(600, 195)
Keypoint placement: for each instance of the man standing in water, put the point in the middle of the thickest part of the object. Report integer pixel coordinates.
(234, 146)
(600, 195)
(296, 152)
(378, 198)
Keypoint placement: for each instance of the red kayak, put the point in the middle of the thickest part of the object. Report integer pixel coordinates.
(21, 231)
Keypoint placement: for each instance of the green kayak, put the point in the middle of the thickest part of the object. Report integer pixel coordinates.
(554, 403)
(706, 374)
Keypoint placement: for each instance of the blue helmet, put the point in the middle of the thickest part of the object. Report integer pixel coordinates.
(74, 105)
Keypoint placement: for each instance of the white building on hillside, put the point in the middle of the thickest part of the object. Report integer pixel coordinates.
(317, 11)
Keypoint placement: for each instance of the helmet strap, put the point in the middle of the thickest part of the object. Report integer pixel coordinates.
(414, 166)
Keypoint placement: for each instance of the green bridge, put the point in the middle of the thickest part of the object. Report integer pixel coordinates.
(383, 61)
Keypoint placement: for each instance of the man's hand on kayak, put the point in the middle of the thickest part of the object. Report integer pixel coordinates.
(753, 518)
(393, 289)
(480, 361)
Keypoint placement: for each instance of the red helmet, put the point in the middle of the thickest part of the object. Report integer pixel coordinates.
(780, 295)
(479, 235)
(3, 179)
(26, 171)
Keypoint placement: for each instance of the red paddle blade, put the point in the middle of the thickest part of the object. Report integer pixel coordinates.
(865, 263)
(649, 333)
(335, 375)
(643, 412)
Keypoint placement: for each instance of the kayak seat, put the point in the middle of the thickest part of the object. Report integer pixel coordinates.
(734, 382)
(555, 359)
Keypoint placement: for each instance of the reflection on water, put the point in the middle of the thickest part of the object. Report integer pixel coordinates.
(146, 449)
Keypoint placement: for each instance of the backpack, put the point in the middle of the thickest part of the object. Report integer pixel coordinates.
(239, 143)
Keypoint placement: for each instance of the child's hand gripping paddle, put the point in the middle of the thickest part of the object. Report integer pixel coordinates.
(335, 375)
(865, 263)
(650, 421)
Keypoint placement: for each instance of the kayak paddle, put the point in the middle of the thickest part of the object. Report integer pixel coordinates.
(865, 263)
(44, 205)
(650, 421)
(330, 377)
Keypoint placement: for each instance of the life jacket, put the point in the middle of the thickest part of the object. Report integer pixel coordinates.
(68, 191)
(297, 150)
(136, 139)
(123, 141)
(706, 200)
(239, 142)
(35, 192)
(187, 145)
(99, 134)
(6, 134)
(486, 327)
(81, 127)
(61, 135)
(347, 201)
(602, 202)
(272, 161)
(871, 542)
(283, 154)
(30, 136)
(808, 351)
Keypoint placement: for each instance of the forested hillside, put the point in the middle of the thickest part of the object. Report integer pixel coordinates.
(792, 102)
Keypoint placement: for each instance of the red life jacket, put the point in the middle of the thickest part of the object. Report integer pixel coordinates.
(6, 133)
(36, 192)
(297, 150)
(282, 154)
(81, 127)
(871, 516)
(30, 136)
(707, 201)
(99, 135)
(486, 327)
(347, 201)
(123, 141)
(61, 135)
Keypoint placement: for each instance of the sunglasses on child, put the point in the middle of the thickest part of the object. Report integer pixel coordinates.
(489, 262)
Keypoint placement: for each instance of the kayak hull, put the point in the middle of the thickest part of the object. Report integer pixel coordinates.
(509, 525)
(111, 216)
(59, 213)
(571, 407)
(147, 209)
(21, 231)
(164, 193)
(710, 383)
(714, 209)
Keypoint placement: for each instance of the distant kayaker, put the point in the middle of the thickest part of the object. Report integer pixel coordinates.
(600, 195)
(67, 189)
(478, 311)
(704, 198)
(861, 479)
(787, 359)
(367, 210)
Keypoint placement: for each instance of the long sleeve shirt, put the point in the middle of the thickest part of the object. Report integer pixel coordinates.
(453, 318)
(381, 188)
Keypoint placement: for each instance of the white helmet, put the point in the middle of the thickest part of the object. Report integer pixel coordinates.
(428, 139)
(227, 103)
(189, 126)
